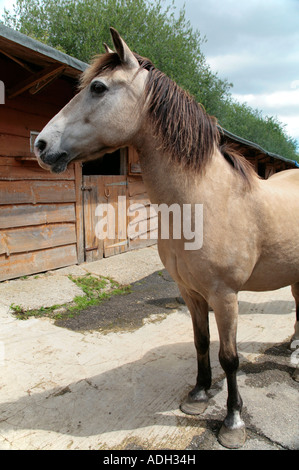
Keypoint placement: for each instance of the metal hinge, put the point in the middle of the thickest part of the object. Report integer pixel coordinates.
(92, 248)
(119, 183)
(86, 188)
(115, 245)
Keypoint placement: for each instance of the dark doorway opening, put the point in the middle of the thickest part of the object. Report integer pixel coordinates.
(261, 169)
(110, 164)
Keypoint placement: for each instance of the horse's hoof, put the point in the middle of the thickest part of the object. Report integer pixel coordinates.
(232, 438)
(294, 344)
(295, 375)
(193, 407)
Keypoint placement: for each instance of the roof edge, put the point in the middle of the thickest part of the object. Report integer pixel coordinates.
(41, 48)
(48, 51)
(256, 146)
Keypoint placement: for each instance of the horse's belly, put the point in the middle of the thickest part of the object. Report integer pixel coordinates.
(272, 274)
(278, 263)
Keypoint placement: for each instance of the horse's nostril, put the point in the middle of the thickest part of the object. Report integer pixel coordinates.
(40, 145)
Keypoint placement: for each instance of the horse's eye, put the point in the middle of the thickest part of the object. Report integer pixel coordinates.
(98, 88)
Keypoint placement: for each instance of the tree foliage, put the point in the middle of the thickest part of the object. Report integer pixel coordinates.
(156, 30)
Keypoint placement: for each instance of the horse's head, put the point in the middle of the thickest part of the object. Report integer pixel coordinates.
(104, 116)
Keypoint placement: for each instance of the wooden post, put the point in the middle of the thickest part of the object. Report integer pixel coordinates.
(79, 213)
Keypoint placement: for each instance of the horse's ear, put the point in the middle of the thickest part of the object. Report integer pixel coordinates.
(124, 52)
(107, 48)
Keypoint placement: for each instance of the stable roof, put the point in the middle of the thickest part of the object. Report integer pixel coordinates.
(19, 46)
(48, 63)
(255, 147)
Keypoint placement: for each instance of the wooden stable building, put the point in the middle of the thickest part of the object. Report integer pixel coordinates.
(49, 221)
(264, 162)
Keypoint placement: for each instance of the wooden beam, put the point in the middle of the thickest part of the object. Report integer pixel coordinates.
(36, 192)
(79, 213)
(21, 264)
(41, 85)
(28, 239)
(30, 82)
(25, 215)
(18, 61)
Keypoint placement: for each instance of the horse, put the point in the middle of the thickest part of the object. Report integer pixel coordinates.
(250, 228)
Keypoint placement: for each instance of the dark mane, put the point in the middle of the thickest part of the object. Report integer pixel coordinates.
(186, 132)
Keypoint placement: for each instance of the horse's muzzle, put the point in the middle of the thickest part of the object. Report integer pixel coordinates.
(56, 162)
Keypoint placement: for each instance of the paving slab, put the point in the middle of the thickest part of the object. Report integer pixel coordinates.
(91, 388)
(44, 291)
(128, 267)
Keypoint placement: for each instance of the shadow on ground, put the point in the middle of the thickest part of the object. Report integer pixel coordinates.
(147, 392)
(92, 406)
(156, 294)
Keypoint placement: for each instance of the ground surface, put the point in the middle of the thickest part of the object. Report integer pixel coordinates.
(113, 377)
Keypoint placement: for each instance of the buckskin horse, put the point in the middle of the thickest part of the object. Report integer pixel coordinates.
(250, 230)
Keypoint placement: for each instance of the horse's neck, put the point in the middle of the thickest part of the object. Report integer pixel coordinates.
(168, 182)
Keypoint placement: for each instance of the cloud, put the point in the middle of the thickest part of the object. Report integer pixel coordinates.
(8, 4)
(283, 105)
(254, 45)
(255, 72)
(288, 99)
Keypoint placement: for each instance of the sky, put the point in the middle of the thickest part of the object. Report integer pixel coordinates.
(254, 44)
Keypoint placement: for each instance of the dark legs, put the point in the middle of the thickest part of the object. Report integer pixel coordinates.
(232, 433)
(197, 400)
(225, 306)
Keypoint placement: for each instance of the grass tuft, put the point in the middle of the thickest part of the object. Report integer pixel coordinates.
(96, 290)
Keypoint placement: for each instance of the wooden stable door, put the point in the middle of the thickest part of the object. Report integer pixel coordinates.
(105, 216)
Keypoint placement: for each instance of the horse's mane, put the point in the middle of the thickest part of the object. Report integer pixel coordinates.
(186, 131)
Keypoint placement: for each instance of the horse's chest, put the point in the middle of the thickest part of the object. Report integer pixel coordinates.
(178, 263)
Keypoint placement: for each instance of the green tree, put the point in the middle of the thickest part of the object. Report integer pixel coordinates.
(157, 30)
(249, 123)
(151, 28)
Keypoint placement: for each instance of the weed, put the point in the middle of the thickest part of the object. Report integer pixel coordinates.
(96, 290)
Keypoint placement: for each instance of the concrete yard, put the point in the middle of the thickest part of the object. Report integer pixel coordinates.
(69, 387)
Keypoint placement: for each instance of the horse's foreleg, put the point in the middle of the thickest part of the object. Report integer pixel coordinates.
(197, 400)
(232, 433)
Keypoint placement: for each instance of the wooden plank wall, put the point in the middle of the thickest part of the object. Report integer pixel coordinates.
(143, 225)
(37, 219)
(40, 213)
(103, 190)
(92, 196)
(27, 112)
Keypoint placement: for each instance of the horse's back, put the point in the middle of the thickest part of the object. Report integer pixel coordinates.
(286, 177)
